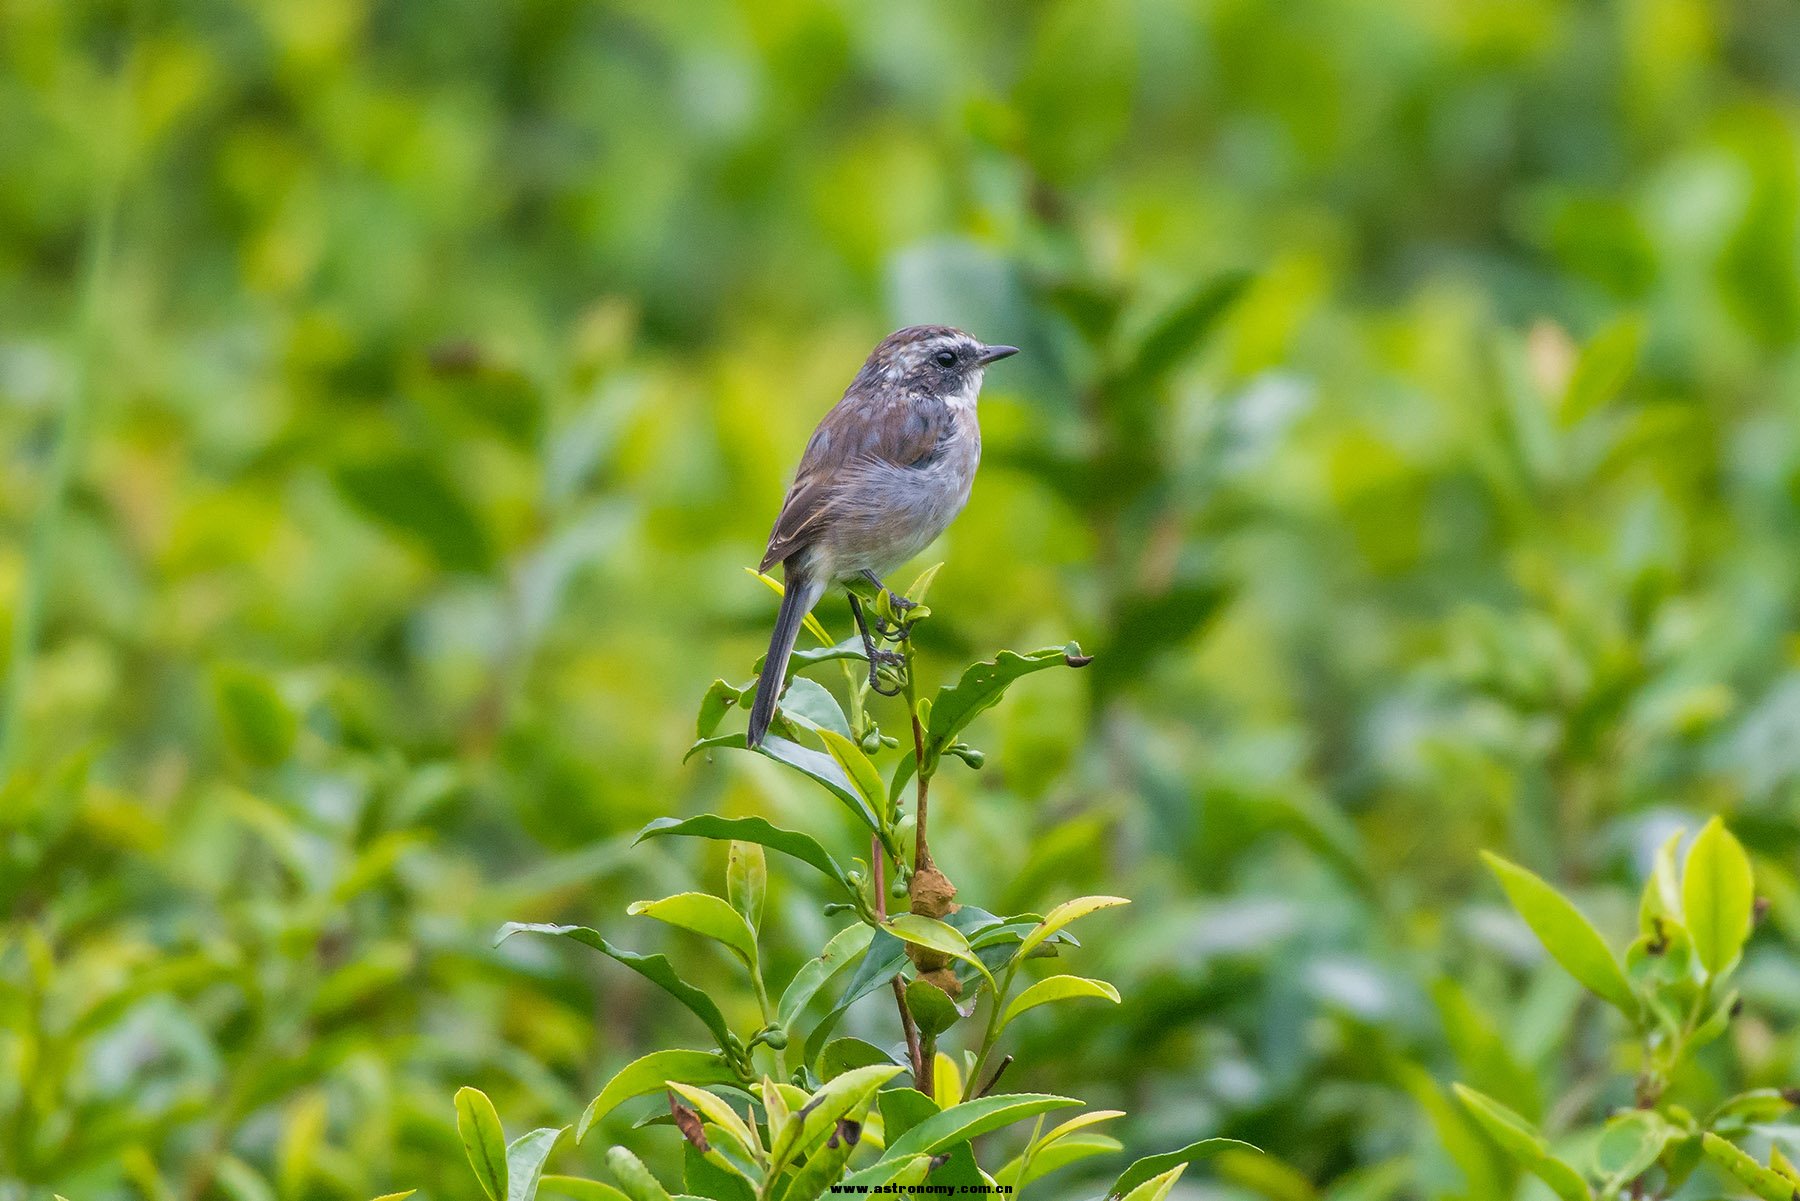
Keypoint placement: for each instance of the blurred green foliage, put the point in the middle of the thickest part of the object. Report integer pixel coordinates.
(391, 393)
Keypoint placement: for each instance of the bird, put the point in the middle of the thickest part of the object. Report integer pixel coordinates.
(886, 471)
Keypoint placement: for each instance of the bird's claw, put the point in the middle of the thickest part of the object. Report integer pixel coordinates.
(896, 631)
(879, 659)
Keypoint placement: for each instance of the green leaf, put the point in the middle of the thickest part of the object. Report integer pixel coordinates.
(704, 914)
(1058, 988)
(849, 649)
(1153, 1165)
(655, 968)
(956, 1125)
(980, 688)
(803, 847)
(904, 1108)
(1754, 1106)
(1717, 896)
(1519, 1139)
(633, 1177)
(934, 935)
(1080, 1122)
(1569, 937)
(713, 1175)
(1661, 901)
(812, 705)
(1766, 1183)
(484, 1142)
(718, 701)
(1606, 362)
(817, 766)
(1631, 1142)
(917, 591)
(1061, 916)
(931, 1007)
(885, 957)
(412, 497)
(814, 974)
(581, 1189)
(747, 881)
(715, 1110)
(651, 1074)
(825, 1166)
(847, 1054)
(836, 1098)
(1048, 1159)
(525, 1161)
(857, 767)
(257, 724)
(1157, 1187)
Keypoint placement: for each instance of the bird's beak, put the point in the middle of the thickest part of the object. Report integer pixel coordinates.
(993, 354)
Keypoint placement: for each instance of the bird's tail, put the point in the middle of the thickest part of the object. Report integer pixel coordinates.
(803, 592)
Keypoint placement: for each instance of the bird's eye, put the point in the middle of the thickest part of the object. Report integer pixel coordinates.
(946, 358)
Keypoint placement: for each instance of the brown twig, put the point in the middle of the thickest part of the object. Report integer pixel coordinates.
(999, 1070)
(922, 1065)
(920, 1069)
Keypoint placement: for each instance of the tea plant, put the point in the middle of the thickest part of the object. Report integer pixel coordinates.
(787, 1111)
(1674, 989)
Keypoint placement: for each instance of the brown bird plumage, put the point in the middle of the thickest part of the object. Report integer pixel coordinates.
(887, 470)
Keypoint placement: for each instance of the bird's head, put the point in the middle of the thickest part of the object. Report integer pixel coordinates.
(934, 359)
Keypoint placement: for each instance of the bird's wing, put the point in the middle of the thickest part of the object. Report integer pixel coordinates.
(904, 431)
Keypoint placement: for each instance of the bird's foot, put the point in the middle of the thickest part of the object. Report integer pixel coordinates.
(895, 631)
(879, 659)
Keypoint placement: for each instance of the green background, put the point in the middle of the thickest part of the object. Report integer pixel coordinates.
(391, 395)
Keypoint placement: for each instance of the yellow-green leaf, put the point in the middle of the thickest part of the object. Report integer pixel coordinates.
(934, 935)
(1717, 896)
(1519, 1139)
(716, 1111)
(857, 766)
(1157, 1187)
(1766, 1183)
(1061, 916)
(633, 1177)
(1569, 937)
(483, 1140)
(704, 914)
(747, 880)
(1047, 1158)
(1058, 988)
(1080, 1122)
(836, 1098)
(581, 1188)
(652, 1074)
(1606, 363)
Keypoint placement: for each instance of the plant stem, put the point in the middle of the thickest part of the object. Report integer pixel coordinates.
(907, 1025)
(922, 1064)
(921, 778)
(922, 846)
(768, 1017)
(992, 1034)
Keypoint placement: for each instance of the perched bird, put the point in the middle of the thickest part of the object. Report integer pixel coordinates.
(886, 471)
